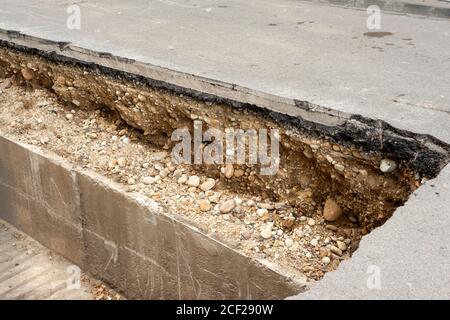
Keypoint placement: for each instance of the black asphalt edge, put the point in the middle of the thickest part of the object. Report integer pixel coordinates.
(422, 153)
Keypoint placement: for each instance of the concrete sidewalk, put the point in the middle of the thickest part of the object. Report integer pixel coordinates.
(297, 50)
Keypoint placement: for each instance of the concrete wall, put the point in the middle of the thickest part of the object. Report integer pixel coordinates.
(124, 239)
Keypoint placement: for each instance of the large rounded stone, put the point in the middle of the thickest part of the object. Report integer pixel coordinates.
(331, 211)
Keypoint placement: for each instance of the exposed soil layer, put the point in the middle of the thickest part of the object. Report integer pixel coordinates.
(121, 127)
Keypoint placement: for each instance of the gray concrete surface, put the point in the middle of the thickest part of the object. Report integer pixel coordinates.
(286, 48)
(30, 271)
(309, 52)
(407, 258)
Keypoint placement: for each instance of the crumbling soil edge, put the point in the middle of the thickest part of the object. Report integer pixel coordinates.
(423, 153)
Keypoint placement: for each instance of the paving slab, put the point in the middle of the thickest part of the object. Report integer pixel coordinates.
(30, 271)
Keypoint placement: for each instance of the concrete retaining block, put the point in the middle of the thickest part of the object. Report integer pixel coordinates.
(38, 195)
(123, 238)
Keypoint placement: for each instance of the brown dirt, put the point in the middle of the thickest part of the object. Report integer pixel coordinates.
(122, 129)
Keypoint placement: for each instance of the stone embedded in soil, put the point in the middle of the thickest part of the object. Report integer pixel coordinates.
(182, 180)
(194, 181)
(228, 171)
(227, 206)
(261, 212)
(331, 211)
(205, 205)
(288, 242)
(121, 162)
(336, 250)
(69, 116)
(27, 74)
(6, 84)
(246, 234)
(148, 180)
(238, 173)
(323, 252)
(266, 230)
(387, 165)
(164, 173)
(341, 245)
(208, 185)
(288, 222)
(326, 260)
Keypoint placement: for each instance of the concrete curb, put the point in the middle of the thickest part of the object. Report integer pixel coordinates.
(125, 239)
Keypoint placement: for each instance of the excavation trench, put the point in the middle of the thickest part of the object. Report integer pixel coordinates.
(120, 125)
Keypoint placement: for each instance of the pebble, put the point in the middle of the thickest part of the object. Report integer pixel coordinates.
(323, 252)
(238, 173)
(205, 205)
(326, 260)
(246, 234)
(148, 180)
(336, 250)
(314, 242)
(261, 212)
(122, 161)
(267, 206)
(288, 223)
(288, 242)
(331, 211)
(131, 181)
(227, 206)
(194, 181)
(229, 171)
(311, 222)
(251, 203)
(69, 116)
(387, 165)
(308, 154)
(341, 245)
(266, 231)
(182, 179)
(164, 173)
(208, 185)
(331, 227)
(27, 74)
